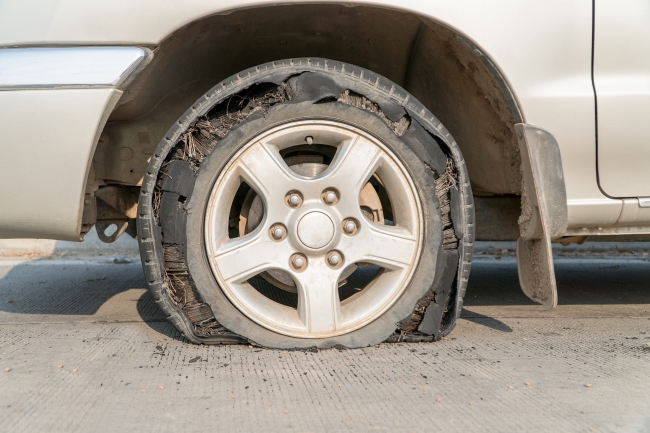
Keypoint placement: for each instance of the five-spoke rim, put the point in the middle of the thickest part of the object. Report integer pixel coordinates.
(313, 228)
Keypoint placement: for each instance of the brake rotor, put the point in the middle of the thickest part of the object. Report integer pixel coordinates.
(252, 213)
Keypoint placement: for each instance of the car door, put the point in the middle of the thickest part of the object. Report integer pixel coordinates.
(621, 74)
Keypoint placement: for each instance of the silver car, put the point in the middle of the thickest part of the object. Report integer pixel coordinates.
(315, 174)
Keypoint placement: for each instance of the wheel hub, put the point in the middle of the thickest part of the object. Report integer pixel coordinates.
(315, 230)
(307, 226)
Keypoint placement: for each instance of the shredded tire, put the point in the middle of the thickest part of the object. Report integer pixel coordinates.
(243, 97)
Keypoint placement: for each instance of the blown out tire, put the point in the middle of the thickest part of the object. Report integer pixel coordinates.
(198, 152)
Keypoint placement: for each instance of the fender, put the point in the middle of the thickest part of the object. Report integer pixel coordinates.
(55, 103)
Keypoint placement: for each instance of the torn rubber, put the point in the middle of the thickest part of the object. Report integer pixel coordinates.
(190, 142)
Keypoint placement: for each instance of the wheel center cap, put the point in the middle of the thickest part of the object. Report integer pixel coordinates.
(315, 229)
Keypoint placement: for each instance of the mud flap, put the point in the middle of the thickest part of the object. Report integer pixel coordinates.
(544, 214)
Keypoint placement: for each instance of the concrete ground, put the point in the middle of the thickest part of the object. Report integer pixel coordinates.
(83, 348)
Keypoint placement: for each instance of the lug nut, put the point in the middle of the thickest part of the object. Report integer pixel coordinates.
(294, 199)
(350, 226)
(278, 232)
(334, 259)
(298, 262)
(330, 196)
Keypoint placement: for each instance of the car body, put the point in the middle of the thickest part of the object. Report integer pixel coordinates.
(88, 89)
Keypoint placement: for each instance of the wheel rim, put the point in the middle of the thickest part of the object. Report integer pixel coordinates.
(313, 229)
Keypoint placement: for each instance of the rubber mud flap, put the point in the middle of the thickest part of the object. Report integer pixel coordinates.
(544, 212)
(535, 266)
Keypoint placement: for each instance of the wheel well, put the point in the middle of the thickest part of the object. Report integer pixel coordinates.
(444, 70)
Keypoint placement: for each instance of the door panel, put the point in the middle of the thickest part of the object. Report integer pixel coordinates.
(622, 81)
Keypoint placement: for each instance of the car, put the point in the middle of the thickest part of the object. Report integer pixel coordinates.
(313, 174)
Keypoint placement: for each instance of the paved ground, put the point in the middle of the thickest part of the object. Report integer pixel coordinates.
(88, 351)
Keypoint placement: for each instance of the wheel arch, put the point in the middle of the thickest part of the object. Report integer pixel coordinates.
(448, 72)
